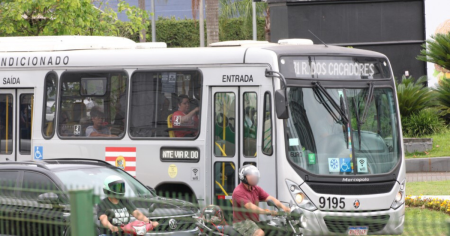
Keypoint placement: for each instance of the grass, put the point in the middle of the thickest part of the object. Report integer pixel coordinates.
(441, 146)
(425, 222)
(428, 188)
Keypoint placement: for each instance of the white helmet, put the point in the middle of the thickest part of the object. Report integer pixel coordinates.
(248, 170)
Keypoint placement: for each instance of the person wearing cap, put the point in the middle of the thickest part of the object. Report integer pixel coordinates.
(246, 198)
(114, 210)
(98, 129)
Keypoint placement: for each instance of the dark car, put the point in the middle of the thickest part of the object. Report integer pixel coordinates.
(34, 197)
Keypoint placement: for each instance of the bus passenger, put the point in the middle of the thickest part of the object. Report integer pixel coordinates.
(99, 127)
(185, 121)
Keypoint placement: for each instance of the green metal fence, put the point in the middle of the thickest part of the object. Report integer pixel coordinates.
(45, 211)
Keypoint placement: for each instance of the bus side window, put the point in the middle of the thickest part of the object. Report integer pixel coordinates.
(267, 126)
(50, 93)
(93, 104)
(165, 104)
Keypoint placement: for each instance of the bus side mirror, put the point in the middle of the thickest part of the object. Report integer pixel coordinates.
(281, 104)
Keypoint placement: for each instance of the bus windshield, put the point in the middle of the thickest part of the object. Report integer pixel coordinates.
(358, 135)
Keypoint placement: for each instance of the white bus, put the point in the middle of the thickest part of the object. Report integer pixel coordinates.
(320, 122)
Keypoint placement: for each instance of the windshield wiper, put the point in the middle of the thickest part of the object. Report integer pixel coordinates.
(320, 92)
(362, 120)
(344, 130)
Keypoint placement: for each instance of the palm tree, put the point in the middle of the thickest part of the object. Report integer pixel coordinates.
(413, 96)
(212, 21)
(437, 50)
(243, 8)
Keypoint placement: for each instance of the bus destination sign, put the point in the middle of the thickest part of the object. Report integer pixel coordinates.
(334, 67)
(179, 154)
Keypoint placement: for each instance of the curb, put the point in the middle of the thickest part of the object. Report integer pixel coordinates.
(440, 197)
(433, 164)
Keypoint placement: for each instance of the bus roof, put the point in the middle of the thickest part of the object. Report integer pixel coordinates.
(115, 51)
(69, 43)
(318, 49)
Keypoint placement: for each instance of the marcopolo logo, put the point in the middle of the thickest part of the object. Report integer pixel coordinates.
(34, 61)
(355, 180)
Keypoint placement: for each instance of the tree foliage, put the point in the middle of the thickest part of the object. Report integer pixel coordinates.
(67, 17)
(185, 32)
(243, 9)
(413, 96)
(443, 97)
(437, 50)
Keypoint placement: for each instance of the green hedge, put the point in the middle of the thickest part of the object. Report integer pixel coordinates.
(185, 33)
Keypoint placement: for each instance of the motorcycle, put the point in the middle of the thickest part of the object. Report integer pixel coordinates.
(136, 228)
(282, 224)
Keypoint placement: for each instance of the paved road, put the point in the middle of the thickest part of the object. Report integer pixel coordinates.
(427, 176)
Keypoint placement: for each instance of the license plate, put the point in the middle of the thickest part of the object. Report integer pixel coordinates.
(358, 230)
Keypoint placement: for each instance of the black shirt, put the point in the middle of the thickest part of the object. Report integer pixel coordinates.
(117, 214)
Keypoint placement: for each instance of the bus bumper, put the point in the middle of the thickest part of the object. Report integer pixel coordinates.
(336, 223)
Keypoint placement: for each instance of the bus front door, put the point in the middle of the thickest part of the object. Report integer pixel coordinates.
(16, 117)
(234, 138)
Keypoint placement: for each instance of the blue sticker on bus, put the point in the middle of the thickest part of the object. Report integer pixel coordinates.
(345, 165)
(38, 152)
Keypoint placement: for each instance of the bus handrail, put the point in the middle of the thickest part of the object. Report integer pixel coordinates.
(223, 190)
(221, 149)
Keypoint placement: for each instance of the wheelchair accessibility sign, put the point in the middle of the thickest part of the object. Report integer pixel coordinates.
(38, 152)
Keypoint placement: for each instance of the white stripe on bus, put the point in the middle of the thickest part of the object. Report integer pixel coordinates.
(123, 154)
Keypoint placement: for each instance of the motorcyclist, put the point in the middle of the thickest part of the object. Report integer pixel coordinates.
(114, 210)
(246, 198)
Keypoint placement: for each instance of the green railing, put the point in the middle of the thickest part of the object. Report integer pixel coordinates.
(49, 212)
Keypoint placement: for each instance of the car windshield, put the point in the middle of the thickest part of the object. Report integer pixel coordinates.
(94, 177)
(322, 142)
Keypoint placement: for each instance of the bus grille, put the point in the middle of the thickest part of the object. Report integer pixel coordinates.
(340, 224)
(182, 224)
(351, 189)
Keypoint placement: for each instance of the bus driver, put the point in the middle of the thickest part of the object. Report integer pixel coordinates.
(184, 119)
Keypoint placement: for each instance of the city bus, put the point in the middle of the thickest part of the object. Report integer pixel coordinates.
(320, 122)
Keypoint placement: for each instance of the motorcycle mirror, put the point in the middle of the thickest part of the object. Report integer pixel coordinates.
(296, 213)
(271, 203)
(152, 208)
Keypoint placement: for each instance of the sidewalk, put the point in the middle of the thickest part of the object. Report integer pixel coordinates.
(427, 176)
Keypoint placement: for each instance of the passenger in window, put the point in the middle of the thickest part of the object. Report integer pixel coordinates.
(248, 120)
(100, 127)
(185, 121)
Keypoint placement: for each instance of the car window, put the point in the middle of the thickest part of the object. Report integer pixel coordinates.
(35, 184)
(8, 182)
(94, 177)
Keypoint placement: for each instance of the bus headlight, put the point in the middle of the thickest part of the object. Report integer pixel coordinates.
(299, 197)
(400, 196)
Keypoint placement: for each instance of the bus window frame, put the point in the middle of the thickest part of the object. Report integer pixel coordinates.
(168, 69)
(44, 106)
(108, 86)
(271, 123)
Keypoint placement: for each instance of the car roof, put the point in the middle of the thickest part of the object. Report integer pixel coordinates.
(56, 164)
